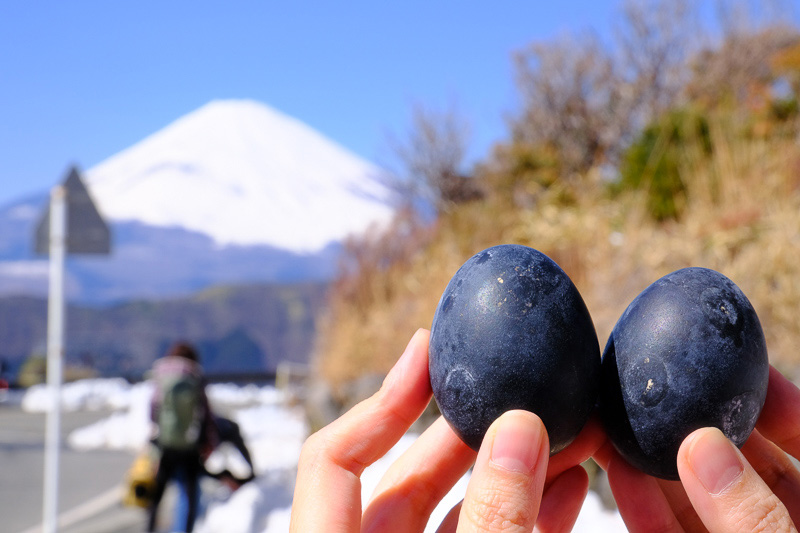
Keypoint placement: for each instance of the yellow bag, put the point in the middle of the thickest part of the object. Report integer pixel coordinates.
(140, 480)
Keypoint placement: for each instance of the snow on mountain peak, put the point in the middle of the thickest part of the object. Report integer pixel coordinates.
(244, 174)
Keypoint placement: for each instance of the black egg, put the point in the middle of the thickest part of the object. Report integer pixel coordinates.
(687, 353)
(512, 332)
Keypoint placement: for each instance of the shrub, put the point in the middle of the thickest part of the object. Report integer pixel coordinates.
(652, 162)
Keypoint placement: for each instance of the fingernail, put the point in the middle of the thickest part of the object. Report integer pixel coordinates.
(516, 442)
(715, 461)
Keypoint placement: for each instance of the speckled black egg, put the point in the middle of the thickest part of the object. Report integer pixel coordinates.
(687, 353)
(512, 332)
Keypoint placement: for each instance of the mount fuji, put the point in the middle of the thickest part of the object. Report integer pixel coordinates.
(243, 174)
(234, 192)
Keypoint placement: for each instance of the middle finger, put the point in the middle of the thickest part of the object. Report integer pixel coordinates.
(415, 483)
(777, 471)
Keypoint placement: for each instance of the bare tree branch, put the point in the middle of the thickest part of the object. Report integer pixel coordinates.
(432, 158)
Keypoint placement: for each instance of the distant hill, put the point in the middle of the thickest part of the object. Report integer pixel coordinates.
(234, 192)
(246, 329)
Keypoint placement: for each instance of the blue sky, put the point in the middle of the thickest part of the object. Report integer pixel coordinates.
(81, 80)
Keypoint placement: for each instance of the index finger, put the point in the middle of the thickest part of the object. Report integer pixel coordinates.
(327, 495)
(780, 418)
(586, 444)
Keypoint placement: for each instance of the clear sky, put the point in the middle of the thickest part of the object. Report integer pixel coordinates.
(81, 80)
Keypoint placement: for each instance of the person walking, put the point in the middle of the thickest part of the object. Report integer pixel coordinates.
(185, 433)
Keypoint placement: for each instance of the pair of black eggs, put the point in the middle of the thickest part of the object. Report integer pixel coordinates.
(512, 332)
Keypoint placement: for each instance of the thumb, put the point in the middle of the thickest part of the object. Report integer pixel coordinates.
(726, 492)
(506, 486)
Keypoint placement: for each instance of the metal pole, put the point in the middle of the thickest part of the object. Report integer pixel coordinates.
(55, 354)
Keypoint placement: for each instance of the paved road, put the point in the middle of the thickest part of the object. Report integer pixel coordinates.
(88, 498)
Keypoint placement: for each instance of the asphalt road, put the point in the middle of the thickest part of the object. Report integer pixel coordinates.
(89, 489)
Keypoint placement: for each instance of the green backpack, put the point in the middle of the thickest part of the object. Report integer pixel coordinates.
(180, 417)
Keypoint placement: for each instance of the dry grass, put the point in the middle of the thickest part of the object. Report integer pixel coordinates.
(742, 219)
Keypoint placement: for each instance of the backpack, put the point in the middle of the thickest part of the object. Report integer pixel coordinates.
(181, 411)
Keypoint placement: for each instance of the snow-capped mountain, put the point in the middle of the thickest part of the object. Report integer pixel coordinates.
(234, 192)
(245, 174)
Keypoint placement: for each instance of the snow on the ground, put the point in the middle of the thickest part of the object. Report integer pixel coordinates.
(274, 433)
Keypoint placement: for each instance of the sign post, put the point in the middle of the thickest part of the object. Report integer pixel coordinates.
(55, 354)
(71, 224)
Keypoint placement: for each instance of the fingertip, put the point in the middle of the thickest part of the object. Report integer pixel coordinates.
(508, 479)
(418, 343)
(688, 443)
(576, 477)
(587, 444)
(562, 500)
(411, 368)
(711, 458)
(517, 441)
(724, 489)
(589, 440)
(421, 334)
(593, 431)
(524, 417)
(604, 454)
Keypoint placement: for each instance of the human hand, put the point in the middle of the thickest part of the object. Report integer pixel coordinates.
(514, 484)
(721, 488)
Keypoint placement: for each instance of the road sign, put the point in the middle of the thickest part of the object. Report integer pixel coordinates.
(86, 231)
(71, 224)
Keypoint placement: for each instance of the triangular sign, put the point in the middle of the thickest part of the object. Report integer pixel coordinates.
(87, 232)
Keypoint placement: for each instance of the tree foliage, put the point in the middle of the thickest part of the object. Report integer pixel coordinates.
(742, 72)
(571, 100)
(587, 99)
(431, 158)
(695, 134)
